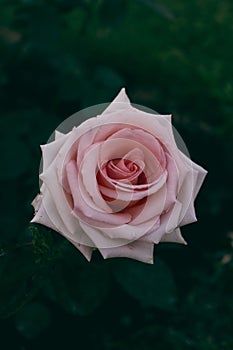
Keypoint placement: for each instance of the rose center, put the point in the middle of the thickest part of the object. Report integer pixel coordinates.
(120, 169)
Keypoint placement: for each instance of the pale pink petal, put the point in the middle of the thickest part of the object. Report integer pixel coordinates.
(58, 134)
(201, 173)
(102, 238)
(49, 211)
(174, 237)
(143, 138)
(86, 179)
(141, 251)
(111, 237)
(168, 223)
(151, 209)
(46, 211)
(155, 124)
(199, 176)
(174, 217)
(37, 202)
(90, 213)
(186, 197)
(123, 170)
(128, 192)
(41, 216)
(59, 211)
(50, 150)
(189, 215)
(121, 101)
(85, 141)
(172, 182)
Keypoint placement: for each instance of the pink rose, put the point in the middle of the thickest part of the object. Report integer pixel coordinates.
(118, 183)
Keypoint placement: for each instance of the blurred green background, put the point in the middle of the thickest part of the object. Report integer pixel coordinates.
(59, 56)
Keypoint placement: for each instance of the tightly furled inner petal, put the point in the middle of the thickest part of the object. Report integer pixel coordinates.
(129, 167)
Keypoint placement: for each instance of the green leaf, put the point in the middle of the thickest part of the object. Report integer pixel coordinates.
(32, 320)
(79, 288)
(18, 275)
(151, 285)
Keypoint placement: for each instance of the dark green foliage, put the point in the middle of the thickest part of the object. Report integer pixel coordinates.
(57, 57)
(151, 285)
(79, 287)
(18, 276)
(112, 12)
(32, 320)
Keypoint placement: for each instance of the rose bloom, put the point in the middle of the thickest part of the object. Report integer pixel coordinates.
(118, 183)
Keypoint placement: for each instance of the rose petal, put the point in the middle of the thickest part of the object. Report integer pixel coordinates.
(168, 223)
(92, 214)
(145, 139)
(141, 251)
(121, 101)
(41, 217)
(50, 150)
(174, 237)
(111, 237)
(58, 134)
(189, 190)
(59, 211)
(201, 174)
(174, 217)
(103, 237)
(151, 209)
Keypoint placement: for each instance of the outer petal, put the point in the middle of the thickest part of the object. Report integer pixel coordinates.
(189, 190)
(121, 101)
(201, 174)
(41, 217)
(59, 212)
(141, 251)
(102, 238)
(58, 134)
(174, 237)
(50, 150)
(168, 223)
(112, 237)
